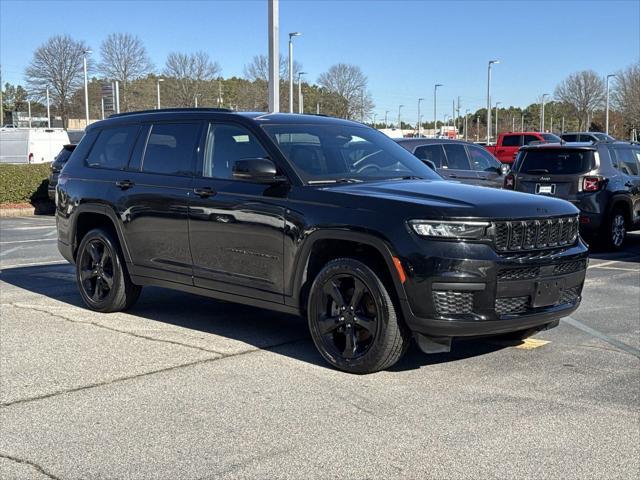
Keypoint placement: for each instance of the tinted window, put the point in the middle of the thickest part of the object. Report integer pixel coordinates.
(171, 148)
(550, 137)
(570, 137)
(226, 144)
(112, 148)
(328, 152)
(482, 160)
(511, 140)
(531, 138)
(433, 153)
(625, 160)
(457, 157)
(558, 162)
(587, 138)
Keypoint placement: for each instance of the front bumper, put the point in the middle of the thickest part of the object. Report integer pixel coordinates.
(469, 290)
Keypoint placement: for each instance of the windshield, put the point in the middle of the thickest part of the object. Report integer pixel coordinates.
(550, 137)
(558, 162)
(333, 153)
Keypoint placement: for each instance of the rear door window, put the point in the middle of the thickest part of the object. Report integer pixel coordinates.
(457, 157)
(481, 160)
(556, 162)
(570, 137)
(171, 148)
(433, 153)
(511, 140)
(112, 148)
(531, 138)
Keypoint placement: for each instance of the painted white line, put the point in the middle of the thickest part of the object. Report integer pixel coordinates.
(15, 229)
(11, 250)
(618, 268)
(612, 341)
(35, 264)
(30, 241)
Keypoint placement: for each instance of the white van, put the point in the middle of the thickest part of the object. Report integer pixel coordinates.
(31, 145)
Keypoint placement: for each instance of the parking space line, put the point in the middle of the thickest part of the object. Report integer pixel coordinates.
(17, 229)
(30, 241)
(612, 341)
(618, 268)
(11, 250)
(35, 264)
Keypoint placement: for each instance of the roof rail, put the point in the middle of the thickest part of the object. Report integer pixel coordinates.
(179, 109)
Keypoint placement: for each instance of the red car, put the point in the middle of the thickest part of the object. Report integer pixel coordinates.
(509, 143)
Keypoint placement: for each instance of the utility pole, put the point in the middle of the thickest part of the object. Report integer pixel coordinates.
(435, 110)
(544, 95)
(291, 35)
(419, 122)
(274, 58)
(399, 122)
(606, 121)
(453, 114)
(491, 62)
(497, 103)
(386, 118)
(458, 112)
(466, 125)
(48, 109)
(86, 86)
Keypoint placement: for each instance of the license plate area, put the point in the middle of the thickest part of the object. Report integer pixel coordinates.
(549, 189)
(547, 293)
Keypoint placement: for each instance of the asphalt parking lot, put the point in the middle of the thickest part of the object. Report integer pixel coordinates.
(186, 387)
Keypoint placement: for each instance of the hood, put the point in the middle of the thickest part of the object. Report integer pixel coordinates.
(445, 199)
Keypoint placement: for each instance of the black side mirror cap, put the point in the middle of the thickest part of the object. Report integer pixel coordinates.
(261, 170)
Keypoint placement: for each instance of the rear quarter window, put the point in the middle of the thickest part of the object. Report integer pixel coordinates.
(556, 162)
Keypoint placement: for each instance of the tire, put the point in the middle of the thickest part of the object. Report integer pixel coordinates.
(353, 320)
(102, 275)
(614, 231)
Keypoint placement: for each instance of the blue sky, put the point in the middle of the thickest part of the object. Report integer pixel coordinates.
(404, 47)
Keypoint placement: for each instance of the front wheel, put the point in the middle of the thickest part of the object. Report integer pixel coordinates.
(352, 318)
(101, 274)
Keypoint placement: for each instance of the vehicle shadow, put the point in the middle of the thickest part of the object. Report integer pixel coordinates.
(631, 250)
(283, 334)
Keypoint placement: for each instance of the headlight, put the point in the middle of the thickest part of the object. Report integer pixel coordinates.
(450, 229)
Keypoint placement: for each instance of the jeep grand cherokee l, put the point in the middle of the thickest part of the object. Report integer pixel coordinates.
(601, 179)
(314, 216)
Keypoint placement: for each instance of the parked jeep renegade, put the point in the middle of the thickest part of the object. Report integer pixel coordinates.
(314, 216)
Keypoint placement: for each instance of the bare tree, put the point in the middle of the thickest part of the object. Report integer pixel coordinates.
(124, 58)
(56, 64)
(584, 91)
(626, 95)
(188, 74)
(350, 84)
(258, 68)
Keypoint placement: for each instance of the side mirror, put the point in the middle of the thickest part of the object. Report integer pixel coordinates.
(504, 169)
(261, 170)
(429, 164)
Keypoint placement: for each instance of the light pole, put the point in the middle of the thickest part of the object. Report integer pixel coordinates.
(158, 90)
(386, 118)
(606, 121)
(491, 62)
(544, 95)
(273, 26)
(419, 123)
(300, 91)
(497, 103)
(48, 110)
(399, 122)
(86, 86)
(291, 35)
(466, 125)
(435, 110)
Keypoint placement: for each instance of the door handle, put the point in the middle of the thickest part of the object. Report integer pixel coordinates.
(124, 184)
(204, 192)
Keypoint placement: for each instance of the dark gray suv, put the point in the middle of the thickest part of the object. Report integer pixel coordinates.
(457, 160)
(602, 179)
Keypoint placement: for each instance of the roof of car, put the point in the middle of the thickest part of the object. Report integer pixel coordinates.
(222, 113)
(569, 145)
(430, 141)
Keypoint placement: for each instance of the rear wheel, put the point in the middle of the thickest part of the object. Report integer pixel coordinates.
(615, 230)
(101, 274)
(352, 318)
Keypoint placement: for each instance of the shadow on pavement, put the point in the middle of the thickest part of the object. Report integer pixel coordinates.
(286, 335)
(631, 250)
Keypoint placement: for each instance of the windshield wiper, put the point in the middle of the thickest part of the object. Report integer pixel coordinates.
(538, 170)
(334, 180)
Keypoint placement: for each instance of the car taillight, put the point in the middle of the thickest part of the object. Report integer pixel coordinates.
(591, 184)
(510, 181)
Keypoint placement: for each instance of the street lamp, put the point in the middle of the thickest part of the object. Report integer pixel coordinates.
(386, 118)
(466, 124)
(158, 90)
(542, 112)
(300, 109)
(497, 103)
(435, 101)
(86, 85)
(491, 62)
(291, 35)
(48, 110)
(606, 121)
(419, 123)
(399, 123)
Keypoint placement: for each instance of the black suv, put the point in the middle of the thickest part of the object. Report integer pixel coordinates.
(314, 216)
(601, 179)
(587, 137)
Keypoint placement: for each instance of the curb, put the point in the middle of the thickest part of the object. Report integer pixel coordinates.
(17, 212)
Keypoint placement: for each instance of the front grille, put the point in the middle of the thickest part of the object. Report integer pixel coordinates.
(509, 305)
(523, 273)
(570, 267)
(452, 301)
(570, 295)
(523, 235)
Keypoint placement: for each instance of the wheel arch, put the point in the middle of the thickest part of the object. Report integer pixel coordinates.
(89, 216)
(622, 202)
